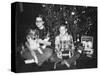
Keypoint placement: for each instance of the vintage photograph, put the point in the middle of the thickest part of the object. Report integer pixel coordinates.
(53, 37)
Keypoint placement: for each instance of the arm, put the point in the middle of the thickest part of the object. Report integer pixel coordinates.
(45, 41)
(72, 43)
(57, 47)
(57, 43)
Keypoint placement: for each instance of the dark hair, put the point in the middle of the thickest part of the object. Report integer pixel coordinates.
(62, 26)
(41, 16)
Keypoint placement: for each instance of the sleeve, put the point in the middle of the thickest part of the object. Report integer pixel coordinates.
(56, 40)
(57, 43)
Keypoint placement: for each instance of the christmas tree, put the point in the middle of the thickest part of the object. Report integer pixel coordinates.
(76, 18)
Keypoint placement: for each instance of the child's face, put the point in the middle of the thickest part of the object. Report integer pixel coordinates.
(39, 22)
(62, 30)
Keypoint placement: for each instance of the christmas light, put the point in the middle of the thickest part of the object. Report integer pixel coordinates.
(66, 22)
(73, 13)
(43, 5)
